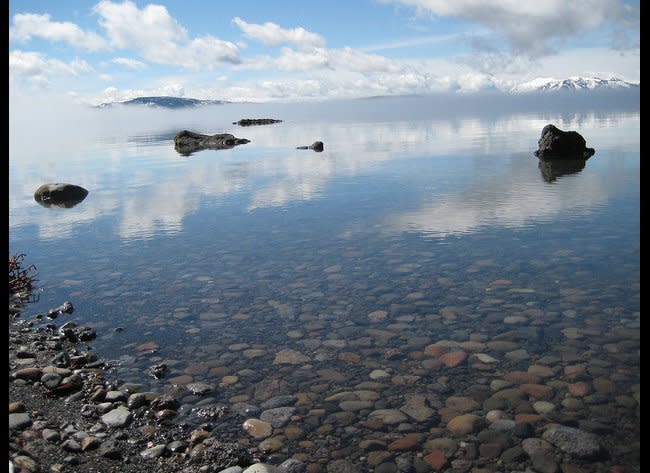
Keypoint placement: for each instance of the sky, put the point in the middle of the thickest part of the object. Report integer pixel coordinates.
(291, 50)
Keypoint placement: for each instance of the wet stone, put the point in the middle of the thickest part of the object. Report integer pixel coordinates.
(71, 445)
(119, 417)
(154, 452)
(32, 374)
(388, 416)
(90, 443)
(50, 435)
(290, 356)
(262, 468)
(272, 444)
(199, 389)
(293, 466)
(484, 358)
(341, 466)
(575, 442)
(464, 424)
(490, 450)
(51, 380)
(416, 408)
(257, 428)
(176, 446)
(137, 400)
(354, 406)
(436, 460)
(446, 445)
(513, 454)
(114, 396)
(461, 404)
(543, 407)
(503, 425)
(453, 359)
(19, 421)
(279, 401)
(278, 417)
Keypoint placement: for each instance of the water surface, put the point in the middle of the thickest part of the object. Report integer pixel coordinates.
(335, 271)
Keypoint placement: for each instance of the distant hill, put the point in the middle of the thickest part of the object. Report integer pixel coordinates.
(166, 102)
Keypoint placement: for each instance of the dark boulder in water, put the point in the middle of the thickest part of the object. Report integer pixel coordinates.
(59, 195)
(256, 121)
(316, 146)
(188, 142)
(557, 144)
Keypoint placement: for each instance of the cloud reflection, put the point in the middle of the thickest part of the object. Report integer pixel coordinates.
(150, 190)
(516, 200)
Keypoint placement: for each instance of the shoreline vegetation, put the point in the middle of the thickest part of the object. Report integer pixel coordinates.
(66, 415)
(21, 279)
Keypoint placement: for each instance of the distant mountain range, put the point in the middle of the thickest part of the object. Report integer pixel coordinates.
(571, 84)
(164, 101)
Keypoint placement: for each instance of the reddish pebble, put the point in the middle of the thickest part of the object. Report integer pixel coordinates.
(453, 359)
(538, 391)
(148, 346)
(435, 350)
(573, 371)
(501, 282)
(436, 459)
(579, 389)
(404, 443)
(522, 377)
(530, 418)
(490, 450)
(349, 357)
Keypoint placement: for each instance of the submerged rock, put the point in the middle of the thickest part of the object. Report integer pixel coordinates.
(557, 144)
(188, 142)
(575, 442)
(59, 194)
(316, 146)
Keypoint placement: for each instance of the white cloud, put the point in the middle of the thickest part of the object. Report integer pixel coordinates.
(28, 25)
(130, 63)
(270, 34)
(289, 60)
(157, 37)
(208, 51)
(341, 60)
(128, 26)
(531, 26)
(37, 68)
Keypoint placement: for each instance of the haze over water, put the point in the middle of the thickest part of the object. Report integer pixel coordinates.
(336, 272)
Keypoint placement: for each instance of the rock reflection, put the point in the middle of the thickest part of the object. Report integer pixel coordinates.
(552, 169)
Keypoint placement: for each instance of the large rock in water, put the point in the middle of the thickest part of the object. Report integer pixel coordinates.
(188, 142)
(59, 194)
(256, 121)
(557, 144)
(316, 146)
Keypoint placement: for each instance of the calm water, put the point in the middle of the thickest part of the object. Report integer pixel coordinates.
(264, 270)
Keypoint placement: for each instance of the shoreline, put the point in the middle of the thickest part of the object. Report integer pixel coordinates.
(65, 415)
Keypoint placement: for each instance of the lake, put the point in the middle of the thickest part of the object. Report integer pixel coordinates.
(393, 295)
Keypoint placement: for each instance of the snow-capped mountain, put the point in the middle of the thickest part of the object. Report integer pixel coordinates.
(572, 83)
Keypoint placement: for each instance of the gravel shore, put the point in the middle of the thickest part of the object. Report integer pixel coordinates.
(65, 415)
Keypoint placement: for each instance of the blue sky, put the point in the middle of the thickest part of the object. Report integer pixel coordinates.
(287, 50)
